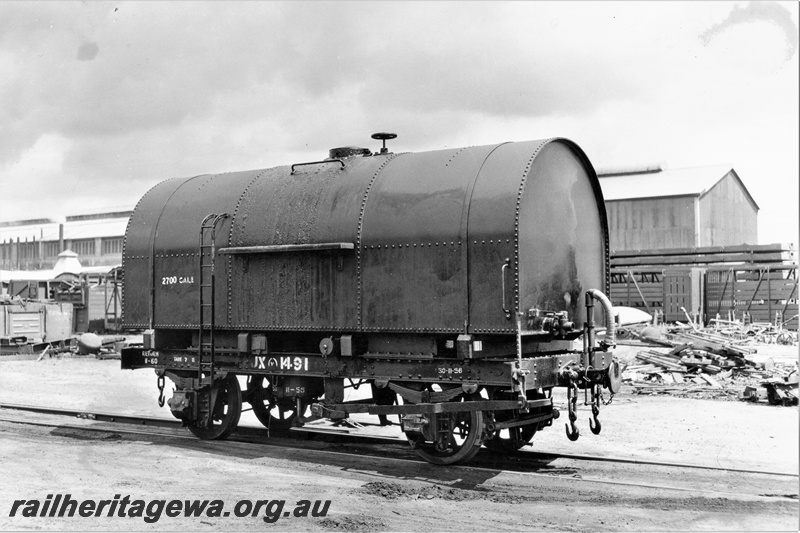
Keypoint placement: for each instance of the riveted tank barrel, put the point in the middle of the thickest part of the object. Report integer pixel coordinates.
(440, 242)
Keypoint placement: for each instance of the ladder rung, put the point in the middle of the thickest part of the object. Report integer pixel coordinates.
(207, 242)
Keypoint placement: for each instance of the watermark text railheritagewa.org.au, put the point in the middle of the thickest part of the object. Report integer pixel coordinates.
(151, 511)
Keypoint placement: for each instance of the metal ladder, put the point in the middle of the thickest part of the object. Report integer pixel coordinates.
(207, 310)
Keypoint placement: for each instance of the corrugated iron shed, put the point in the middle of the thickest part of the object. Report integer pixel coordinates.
(78, 229)
(656, 208)
(656, 182)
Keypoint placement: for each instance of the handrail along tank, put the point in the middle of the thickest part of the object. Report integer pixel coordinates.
(455, 279)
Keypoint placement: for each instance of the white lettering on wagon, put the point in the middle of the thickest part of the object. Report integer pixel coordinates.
(172, 280)
(281, 363)
(150, 357)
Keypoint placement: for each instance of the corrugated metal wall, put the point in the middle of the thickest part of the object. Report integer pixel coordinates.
(643, 224)
(727, 217)
(724, 216)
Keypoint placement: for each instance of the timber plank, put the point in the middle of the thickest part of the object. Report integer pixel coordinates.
(702, 259)
(758, 248)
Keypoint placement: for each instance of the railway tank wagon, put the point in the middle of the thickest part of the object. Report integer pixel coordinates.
(454, 283)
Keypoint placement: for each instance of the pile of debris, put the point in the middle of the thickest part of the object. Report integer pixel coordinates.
(742, 332)
(86, 344)
(690, 362)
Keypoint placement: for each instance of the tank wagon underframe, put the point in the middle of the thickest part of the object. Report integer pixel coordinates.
(454, 283)
(541, 371)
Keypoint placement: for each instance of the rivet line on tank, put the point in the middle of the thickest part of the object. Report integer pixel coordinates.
(228, 259)
(516, 220)
(124, 241)
(359, 234)
(454, 156)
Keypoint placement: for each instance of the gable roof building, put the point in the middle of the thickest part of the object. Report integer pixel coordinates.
(655, 208)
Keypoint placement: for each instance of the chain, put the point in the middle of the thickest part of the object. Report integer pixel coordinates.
(160, 384)
(610, 398)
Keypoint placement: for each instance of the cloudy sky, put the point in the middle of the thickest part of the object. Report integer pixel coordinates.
(102, 100)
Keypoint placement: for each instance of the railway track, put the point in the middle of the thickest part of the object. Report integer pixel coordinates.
(710, 480)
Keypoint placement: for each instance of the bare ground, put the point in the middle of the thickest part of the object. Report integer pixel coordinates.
(369, 494)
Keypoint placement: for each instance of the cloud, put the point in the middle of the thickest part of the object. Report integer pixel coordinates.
(165, 63)
(770, 12)
(88, 51)
(143, 91)
(38, 173)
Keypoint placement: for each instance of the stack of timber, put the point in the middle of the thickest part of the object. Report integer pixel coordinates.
(783, 390)
(749, 254)
(740, 332)
(705, 365)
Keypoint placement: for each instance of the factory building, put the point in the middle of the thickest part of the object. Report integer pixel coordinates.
(685, 242)
(36, 244)
(654, 208)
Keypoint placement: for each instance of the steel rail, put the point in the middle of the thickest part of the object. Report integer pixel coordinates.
(99, 417)
(376, 456)
(365, 439)
(622, 460)
(145, 421)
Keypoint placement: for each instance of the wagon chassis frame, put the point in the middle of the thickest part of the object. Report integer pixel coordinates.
(542, 372)
(468, 375)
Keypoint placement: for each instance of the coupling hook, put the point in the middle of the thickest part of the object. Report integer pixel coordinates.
(594, 423)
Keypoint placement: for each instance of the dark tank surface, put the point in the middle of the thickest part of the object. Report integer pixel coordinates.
(447, 241)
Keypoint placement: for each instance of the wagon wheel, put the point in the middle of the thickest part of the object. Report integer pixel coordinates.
(463, 439)
(510, 439)
(227, 410)
(272, 412)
